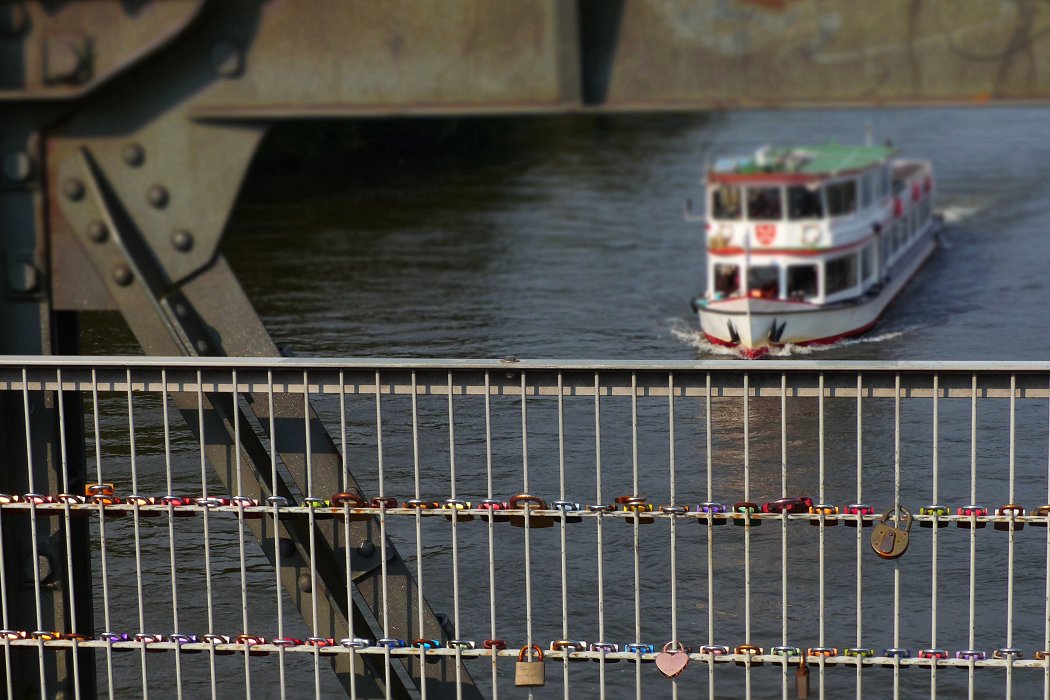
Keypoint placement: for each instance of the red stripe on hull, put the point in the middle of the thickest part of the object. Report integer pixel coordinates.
(755, 353)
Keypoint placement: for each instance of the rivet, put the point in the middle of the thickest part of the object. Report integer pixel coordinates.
(182, 240)
(180, 310)
(133, 155)
(304, 583)
(202, 345)
(157, 196)
(287, 548)
(97, 231)
(227, 59)
(73, 188)
(366, 548)
(18, 166)
(122, 275)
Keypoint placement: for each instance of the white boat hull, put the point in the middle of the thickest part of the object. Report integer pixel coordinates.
(756, 325)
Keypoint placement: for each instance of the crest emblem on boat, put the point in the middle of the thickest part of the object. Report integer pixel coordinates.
(765, 233)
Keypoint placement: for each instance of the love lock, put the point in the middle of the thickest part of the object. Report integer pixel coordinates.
(672, 661)
(528, 673)
(891, 542)
(526, 502)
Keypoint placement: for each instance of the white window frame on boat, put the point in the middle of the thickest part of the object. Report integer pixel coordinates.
(846, 292)
(745, 200)
(856, 198)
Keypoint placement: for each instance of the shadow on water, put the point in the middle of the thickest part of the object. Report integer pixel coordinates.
(458, 237)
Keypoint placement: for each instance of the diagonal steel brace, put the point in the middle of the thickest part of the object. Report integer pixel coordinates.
(185, 320)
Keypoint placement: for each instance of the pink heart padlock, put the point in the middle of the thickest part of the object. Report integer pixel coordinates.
(672, 662)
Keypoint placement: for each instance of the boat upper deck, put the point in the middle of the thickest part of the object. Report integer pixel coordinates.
(805, 163)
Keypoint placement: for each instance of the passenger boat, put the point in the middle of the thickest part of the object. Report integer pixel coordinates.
(808, 245)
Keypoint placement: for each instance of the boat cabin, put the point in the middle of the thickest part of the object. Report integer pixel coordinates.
(815, 224)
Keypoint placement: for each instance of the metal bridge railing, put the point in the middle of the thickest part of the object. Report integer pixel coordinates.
(597, 510)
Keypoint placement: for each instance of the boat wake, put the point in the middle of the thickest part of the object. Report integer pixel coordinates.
(694, 338)
(954, 214)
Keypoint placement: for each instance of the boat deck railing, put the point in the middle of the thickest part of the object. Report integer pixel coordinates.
(599, 510)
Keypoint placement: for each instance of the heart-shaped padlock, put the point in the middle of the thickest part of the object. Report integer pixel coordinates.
(891, 542)
(672, 662)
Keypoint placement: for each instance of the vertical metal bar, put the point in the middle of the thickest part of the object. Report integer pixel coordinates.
(138, 540)
(311, 523)
(68, 526)
(455, 538)
(525, 485)
(1010, 544)
(492, 537)
(973, 529)
(896, 506)
(171, 527)
(278, 589)
(420, 600)
(783, 536)
(821, 532)
(528, 519)
(564, 547)
(820, 489)
(599, 520)
(207, 533)
(710, 547)
(859, 682)
(1046, 575)
(933, 535)
(101, 544)
(33, 533)
(674, 522)
(747, 530)
(235, 418)
(346, 523)
(637, 566)
(382, 533)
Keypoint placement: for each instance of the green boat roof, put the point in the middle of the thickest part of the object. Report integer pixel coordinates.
(810, 160)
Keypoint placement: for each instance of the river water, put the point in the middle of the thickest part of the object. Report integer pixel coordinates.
(564, 238)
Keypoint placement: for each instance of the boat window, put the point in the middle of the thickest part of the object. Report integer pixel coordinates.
(727, 280)
(726, 201)
(842, 197)
(763, 282)
(877, 181)
(865, 190)
(763, 204)
(866, 260)
(801, 282)
(804, 203)
(840, 273)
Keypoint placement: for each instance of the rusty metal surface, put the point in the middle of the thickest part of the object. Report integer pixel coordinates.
(65, 50)
(758, 53)
(321, 56)
(323, 59)
(332, 57)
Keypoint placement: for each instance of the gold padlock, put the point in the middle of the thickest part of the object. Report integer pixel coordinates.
(891, 542)
(528, 673)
